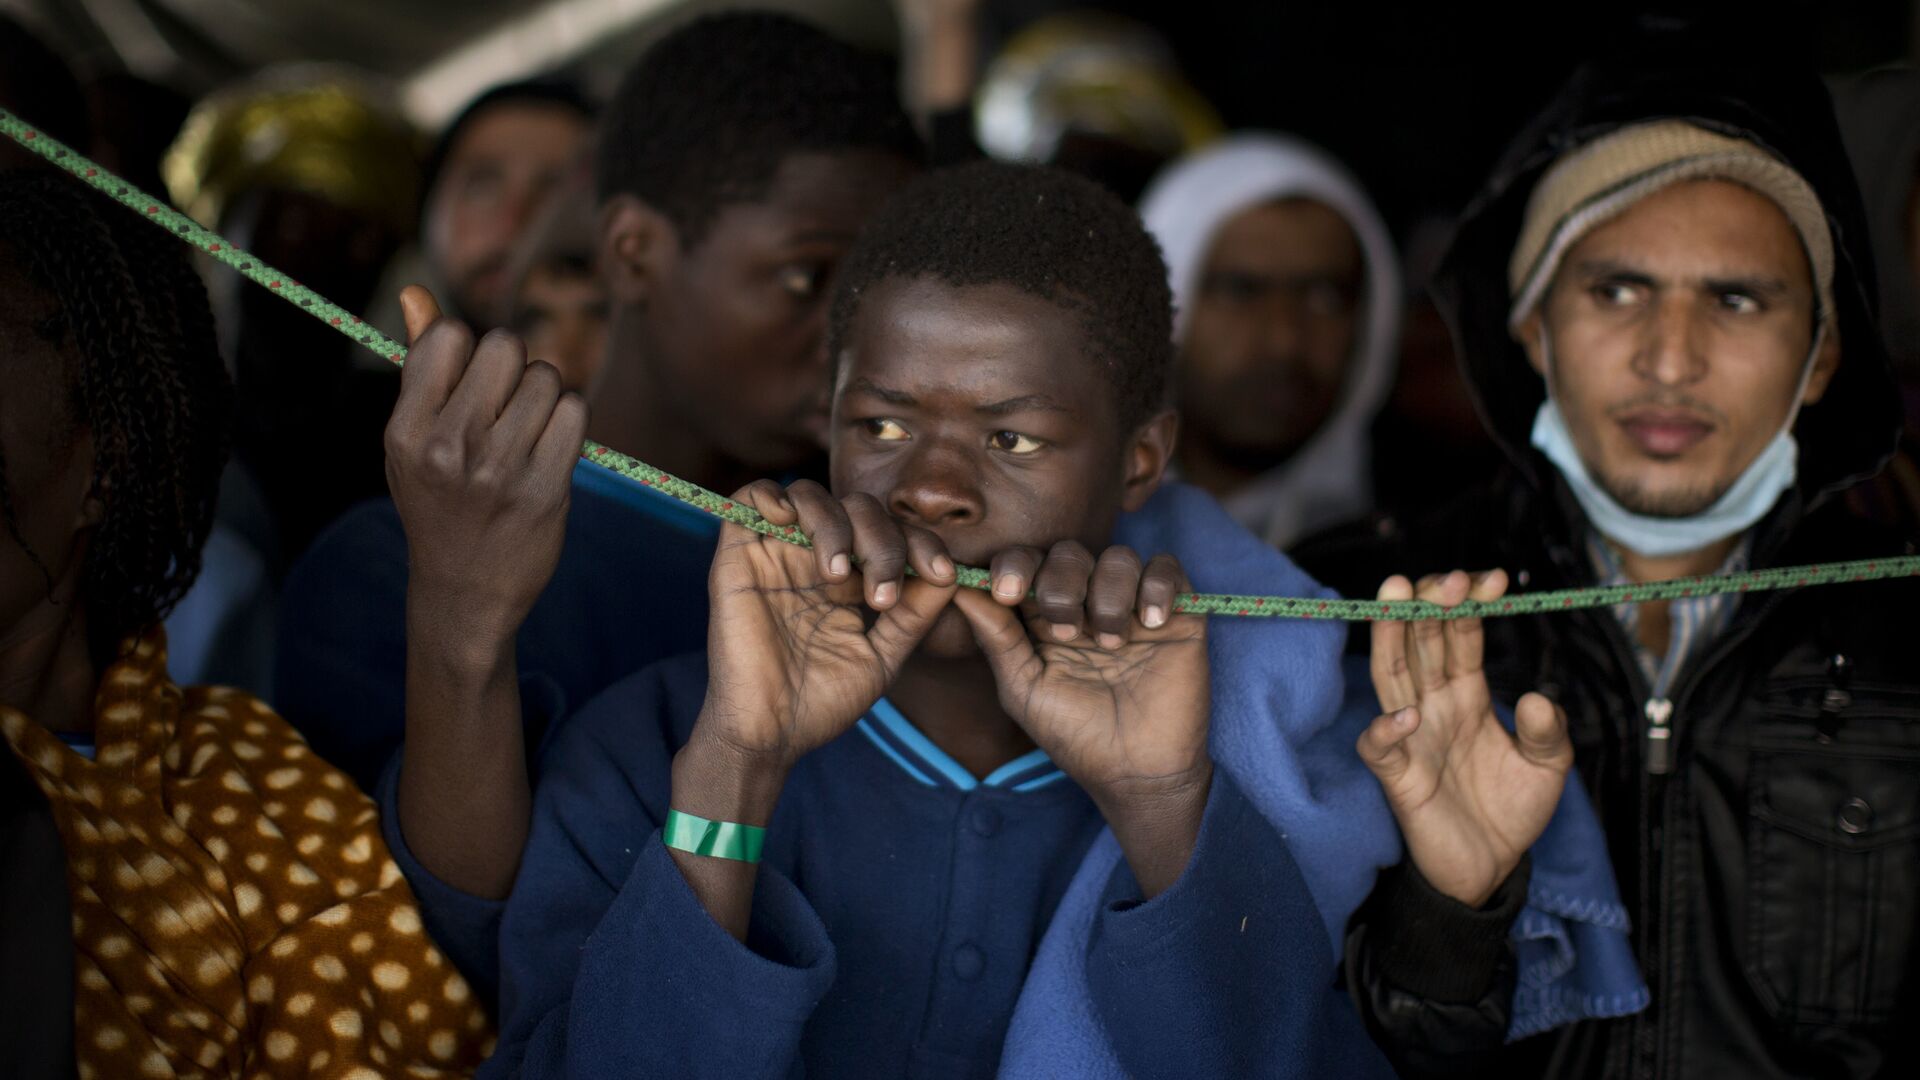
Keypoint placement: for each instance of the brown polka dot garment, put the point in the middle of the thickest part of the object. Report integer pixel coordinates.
(235, 912)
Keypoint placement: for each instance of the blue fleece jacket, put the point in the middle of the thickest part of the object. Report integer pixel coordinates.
(911, 920)
(899, 907)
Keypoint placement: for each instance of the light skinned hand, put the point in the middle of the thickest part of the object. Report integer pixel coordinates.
(1469, 796)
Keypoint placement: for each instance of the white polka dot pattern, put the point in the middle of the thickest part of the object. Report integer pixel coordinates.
(238, 916)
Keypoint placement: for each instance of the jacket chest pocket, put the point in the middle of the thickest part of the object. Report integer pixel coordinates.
(1833, 872)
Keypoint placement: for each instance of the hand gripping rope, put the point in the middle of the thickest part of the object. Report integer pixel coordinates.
(166, 217)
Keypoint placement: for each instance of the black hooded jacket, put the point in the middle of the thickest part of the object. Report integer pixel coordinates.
(1773, 874)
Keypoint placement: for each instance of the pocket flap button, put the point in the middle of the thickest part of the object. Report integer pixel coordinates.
(1855, 816)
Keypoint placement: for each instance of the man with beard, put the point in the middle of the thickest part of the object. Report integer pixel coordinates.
(1287, 298)
(1663, 305)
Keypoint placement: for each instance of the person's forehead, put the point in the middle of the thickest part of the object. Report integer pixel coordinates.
(830, 194)
(519, 130)
(988, 342)
(1287, 230)
(1699, 228)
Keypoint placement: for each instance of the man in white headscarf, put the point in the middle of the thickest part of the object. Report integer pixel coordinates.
(1287, 295)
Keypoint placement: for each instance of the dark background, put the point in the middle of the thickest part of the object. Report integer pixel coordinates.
(1417, 97)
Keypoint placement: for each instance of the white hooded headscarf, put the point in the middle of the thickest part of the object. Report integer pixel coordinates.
(1328, 480)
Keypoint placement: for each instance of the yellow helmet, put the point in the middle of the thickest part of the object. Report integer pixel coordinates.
(1088, 73)
(307, 128)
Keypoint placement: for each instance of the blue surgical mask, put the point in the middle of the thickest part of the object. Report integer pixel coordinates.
(1769, 476)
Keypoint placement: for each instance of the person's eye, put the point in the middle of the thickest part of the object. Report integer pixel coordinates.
(1237, 288)
(1741, 303)
(1013, 442)
(803, 282)
(481, 184)
(1616, 294)
(1328, 298)
(885, 430)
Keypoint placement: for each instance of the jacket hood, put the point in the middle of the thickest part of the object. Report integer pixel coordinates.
(1851, 432)
(1879, 116)
(1330, 478)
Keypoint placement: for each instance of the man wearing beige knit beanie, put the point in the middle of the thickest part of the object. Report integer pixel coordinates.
(1664, 306)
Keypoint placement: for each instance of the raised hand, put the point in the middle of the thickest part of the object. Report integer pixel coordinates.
(480, 454)
(1111, 683)
(480, 451)
(1470, 797)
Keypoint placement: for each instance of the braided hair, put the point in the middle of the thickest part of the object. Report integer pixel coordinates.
(146, 382)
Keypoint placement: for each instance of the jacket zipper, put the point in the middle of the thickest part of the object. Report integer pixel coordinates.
(1648, 1031)
(1635, 1044)
(1656, 1024)
(1658, 738)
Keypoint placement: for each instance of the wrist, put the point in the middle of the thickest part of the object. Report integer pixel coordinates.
(1139, 802)
(454, 623)
(1474, 889)
(1158, 822)
(722, 782)
(468, 654)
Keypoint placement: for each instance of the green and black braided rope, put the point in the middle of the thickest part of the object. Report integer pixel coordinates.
(166, 217)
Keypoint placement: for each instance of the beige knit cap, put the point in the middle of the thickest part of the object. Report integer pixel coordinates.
(1597, 182)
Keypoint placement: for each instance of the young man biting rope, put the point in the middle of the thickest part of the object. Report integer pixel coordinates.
(956, 831)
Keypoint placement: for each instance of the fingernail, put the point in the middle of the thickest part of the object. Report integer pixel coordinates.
(1063, 631)
(1008, 586)
(785, 506)
(1404, 717)
(942, 566)
(1155, 617)
(1111, 641)
(840, 566)
(883, 593)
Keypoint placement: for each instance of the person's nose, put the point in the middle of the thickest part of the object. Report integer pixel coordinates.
(1673, 350)
(1282, 327)
(938, 484)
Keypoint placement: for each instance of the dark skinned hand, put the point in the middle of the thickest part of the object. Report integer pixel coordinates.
(480, 449)
(1111, 683)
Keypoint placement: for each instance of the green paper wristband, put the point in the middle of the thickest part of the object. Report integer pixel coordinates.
(717, 839)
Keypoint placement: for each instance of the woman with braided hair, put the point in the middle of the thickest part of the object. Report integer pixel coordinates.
(185, 889)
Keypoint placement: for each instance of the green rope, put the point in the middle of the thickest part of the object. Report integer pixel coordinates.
(215, 246)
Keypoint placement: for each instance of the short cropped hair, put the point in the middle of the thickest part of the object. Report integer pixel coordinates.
(1045, 232)
(706, 117)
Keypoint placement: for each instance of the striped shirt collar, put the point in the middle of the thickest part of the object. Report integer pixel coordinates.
(918, 757)
(1696, 621)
